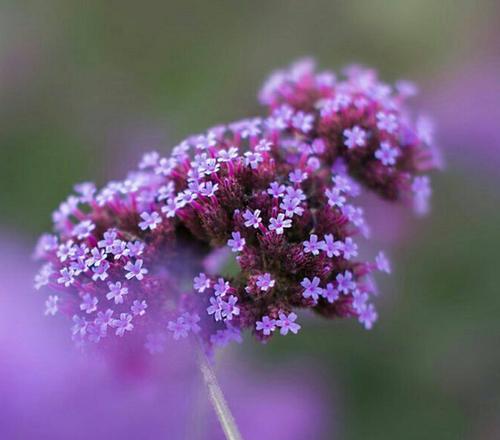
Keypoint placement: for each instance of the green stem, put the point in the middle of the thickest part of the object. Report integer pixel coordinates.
(218, 401)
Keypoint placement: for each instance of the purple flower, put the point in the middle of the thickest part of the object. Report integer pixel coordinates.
(89, 303)
(311, 288)
(253, 219)
(51, 306)
(313, 246)
(252, 159)
(303, 161)
(124, 324)
(387, 154)
(201, 282)
(229, 308)
(349, 249)
(266, 325)
(335, 197)
(83, 229)
(108, 240)
(355, 137)
(331, 247)
(179, 328)
(297, 176)
(330, 293)
(221, 287)
(149, 220)
(116, 292)
(215, 307)
(191, 321)
(291, 206)
(66, 277)
(387, 122)
(276, 190)
(287, 323)
(368, 316)
(237, 243)
(345, 283)
(422, 191)
(279, 224)
(100, 270)
(265, 282)
(139, 307)
(382, 263)
(135, 270)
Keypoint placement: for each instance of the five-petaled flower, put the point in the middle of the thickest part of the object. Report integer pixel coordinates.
(287, 323)
(266, 325)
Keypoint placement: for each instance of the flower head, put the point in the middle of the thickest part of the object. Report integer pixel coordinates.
(278, 190)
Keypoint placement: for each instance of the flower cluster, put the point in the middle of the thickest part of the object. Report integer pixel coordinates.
(277, 191)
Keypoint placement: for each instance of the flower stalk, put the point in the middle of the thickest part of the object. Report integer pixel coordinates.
(219, 403)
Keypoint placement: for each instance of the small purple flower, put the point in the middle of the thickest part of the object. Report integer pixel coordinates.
(387, 122)
(135, 270)
(287, 323)
(170, 208)
(100, 271)
(349, 249)
(221, 287)
(330, 293)
(149, 220)
(89, 303)
(191, 321)
(313, 246)
(253, 219)
(332, 248)
(108, 240)
(252, 159)
(267, 325)
(265, 282)
(83, 229)
(237, 243)
(276, 190)
(229, 308)
(355, 137)
(215, 307)
(335, 197)
(303, 122)
(297, 176)
(201, 282)
(311, 288)
(345, 283)
(116, 292)
(279, 224)
(66, 277)
(124, 324)
(139, 307)
(422, 191)
(51, 305)
(359, 300)
(368, 316)
(104, 319)
(135, 249)
(387, 154)
(291, 206)
(209, 189)
(382, 263)
(179, 328)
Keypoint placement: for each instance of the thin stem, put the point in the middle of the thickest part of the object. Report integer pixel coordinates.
(219, 403)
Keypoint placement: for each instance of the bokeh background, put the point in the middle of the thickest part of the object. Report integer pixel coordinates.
(86, 87)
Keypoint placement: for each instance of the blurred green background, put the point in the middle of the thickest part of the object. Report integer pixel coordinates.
(86, 87)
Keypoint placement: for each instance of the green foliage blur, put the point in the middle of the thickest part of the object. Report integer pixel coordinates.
(86, 87)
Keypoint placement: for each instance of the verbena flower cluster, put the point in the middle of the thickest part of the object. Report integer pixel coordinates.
(277, 191)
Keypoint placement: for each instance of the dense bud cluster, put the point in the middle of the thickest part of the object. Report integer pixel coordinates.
(277, 191)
